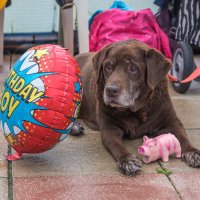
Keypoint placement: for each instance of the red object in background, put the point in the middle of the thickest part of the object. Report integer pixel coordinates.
(41, 99)
(116, 25)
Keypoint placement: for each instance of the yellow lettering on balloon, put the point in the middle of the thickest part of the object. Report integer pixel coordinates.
(25, 92)
(35, 94)
(19, 85)
(11, 139)
(5, 101)
(12, 105)
(12, 73)
(14, 79)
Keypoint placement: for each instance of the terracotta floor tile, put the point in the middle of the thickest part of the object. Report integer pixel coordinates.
(144, 187)
(188, 184)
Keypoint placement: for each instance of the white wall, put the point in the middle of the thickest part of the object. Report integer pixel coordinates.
(31, 16)
(43, 15)
(94, 5)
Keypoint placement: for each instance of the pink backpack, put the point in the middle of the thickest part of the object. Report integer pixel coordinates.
(116, 25)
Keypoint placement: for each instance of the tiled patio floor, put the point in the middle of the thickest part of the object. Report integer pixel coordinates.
(81, 168)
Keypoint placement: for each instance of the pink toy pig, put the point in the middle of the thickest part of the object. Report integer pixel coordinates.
(160, 147)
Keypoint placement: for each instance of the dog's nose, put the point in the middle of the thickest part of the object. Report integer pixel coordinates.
(112, 90)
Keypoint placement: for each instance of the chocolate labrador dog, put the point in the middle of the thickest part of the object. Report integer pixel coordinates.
(126, 95)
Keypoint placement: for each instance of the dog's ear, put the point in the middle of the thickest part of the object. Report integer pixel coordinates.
(97, 64)
(98, 61)
(157, 67)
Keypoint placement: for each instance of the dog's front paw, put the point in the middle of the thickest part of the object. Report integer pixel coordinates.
(77, 129)
(192, 158)
(130, 166)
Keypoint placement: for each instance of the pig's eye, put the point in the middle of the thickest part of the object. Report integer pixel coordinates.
(150, 146)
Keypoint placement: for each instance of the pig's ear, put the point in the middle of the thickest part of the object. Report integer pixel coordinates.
(155, 141)
(145, 138)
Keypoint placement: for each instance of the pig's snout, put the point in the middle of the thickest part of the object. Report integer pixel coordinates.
(141, 150)
(144, 151)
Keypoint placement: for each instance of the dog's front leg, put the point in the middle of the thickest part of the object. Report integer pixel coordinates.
(190, 154)
(112, 138)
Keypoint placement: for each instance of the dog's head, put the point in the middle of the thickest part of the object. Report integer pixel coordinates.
(127, 72)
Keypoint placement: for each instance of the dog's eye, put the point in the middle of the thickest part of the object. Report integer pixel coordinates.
(108, 67)
(127, 61)
(133, 69)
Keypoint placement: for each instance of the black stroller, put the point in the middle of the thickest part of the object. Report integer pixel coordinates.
(180, 20)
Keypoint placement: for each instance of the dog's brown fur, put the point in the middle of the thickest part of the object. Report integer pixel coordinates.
(151, 113)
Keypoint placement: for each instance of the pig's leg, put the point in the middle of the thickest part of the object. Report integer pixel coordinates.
(178, 152)
(165, 156)
(178, 155)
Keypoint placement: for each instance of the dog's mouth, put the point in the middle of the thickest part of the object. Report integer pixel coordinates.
(117, 106)
(146, 158)
(122, 102)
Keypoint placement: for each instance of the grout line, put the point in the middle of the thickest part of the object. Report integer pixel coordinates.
(171, 181)
(179, 194)
(185, 98)
(10, 177)
(190, 129)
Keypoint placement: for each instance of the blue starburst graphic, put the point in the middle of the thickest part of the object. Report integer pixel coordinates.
(77, 87)
(24, 109)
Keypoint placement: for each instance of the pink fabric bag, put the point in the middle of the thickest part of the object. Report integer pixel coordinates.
(117, 25)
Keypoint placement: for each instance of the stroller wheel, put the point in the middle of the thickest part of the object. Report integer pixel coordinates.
(182, 65)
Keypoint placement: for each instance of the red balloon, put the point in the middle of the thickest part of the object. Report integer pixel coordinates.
(41, 99)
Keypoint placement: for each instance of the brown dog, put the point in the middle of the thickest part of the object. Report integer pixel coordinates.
(126, 95)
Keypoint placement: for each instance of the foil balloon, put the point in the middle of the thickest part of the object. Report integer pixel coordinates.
(41, 99)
